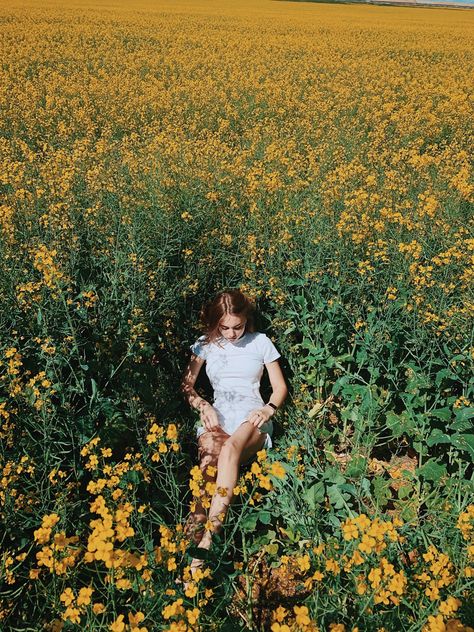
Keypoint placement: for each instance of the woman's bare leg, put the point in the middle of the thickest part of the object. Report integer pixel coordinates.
(209, 447)
(241, 445)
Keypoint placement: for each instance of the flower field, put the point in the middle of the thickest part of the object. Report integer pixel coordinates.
(318, 157)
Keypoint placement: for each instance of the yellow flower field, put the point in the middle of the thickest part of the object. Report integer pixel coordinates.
(319, 157)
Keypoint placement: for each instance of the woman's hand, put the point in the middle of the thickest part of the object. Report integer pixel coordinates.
(260, 416)
(209, 417)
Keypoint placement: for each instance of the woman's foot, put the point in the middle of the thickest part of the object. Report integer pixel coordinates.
(196, 574)
(212, 527)
(196, 563)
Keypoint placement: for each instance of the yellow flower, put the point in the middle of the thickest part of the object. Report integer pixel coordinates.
(333, 566)
(449, 606)
(303, 562)
(280, 613)
(302, 615)
(192, 615)
(172, 432)
(265, 482)
(349, 530)
(135, 619)
(72, 615)
(255, 469)
(84, 596)
(277, 469)
(435, 623)
(173, 609)
(118, 625)
(67, 597)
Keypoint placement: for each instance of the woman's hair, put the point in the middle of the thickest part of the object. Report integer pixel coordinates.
(232, 302)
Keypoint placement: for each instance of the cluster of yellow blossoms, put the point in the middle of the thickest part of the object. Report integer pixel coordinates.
(186, 618)
(52, 277)
(111, 527)
(465, 524)
(109, 477)
(437, 574)
(57, 554)
(133, 625)
(11, 472)
(259, 476)
(383, 582)
(161, 436)
(75, 605)
(371, 533)
(170, 545)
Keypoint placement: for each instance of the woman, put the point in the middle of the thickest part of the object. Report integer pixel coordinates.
(238, 424)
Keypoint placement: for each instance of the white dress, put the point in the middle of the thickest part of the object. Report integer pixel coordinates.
(234, 370)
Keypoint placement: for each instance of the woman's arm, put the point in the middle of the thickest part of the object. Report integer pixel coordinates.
(208, 414)
(279, 388)
(278, 396)
(189, 380)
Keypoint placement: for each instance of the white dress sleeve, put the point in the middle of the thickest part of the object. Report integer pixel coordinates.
(200, 349)
(270, 352)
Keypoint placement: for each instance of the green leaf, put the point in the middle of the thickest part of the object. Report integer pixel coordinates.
(356, 467)
(314, 495)
(437, 436)
(249, 523)
(463, 414)
(265, 517)
(272, 549)
(460, 425)
(404, 491)
(464, 442)
(444, 373)
(336, 497)
(132, 477)
(381, 490)
(432, 470)
(394, 423)
(442, 413)
(333, 475)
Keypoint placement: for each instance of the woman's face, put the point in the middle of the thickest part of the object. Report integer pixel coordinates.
(232, 327)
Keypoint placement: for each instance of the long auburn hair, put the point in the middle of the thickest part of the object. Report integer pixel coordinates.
(231, 302)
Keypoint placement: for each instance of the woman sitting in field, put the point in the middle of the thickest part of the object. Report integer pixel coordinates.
(238, 424)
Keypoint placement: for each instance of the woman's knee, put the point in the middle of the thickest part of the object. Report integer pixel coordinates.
(230, 451)
(209, 448)
(207, 462)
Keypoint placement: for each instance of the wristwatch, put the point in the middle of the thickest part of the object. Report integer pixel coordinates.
(272, 405)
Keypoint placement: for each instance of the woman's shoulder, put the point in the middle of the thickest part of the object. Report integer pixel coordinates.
(200, 347)
(258, 336)
(258, 339)
(264, 345)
